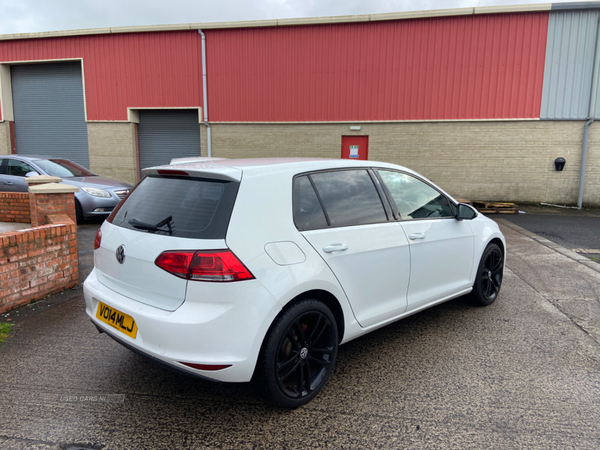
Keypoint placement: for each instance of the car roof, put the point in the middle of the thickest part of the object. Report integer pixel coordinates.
(29, 157)
(233, 168)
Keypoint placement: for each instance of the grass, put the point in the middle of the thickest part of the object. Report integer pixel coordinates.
(4, 331)
(594, 259)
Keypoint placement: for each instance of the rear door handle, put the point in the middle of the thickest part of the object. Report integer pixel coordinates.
(8, 183)
(416, 236)
(335, 248)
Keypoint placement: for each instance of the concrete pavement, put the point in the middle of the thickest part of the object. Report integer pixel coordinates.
(522, 373)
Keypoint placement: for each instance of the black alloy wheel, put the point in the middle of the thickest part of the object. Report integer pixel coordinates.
(299, 354)
(489, 276)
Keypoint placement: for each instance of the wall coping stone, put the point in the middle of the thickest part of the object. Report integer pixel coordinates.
(53, 188)
(42, 179)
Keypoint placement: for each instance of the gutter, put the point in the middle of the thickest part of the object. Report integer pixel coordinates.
(205, 96)
(591, 115)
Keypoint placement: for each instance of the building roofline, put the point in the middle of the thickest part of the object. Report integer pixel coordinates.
(310, 20)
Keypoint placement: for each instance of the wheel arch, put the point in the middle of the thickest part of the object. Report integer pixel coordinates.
(499, 243)
(321, 295)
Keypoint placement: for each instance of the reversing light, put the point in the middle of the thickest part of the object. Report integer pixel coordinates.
(206, 366)
(217, 265)
(98, 240)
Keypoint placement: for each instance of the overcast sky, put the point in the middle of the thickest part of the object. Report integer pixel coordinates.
(24, 16)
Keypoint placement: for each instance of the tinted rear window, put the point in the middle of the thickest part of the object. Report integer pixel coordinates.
(349, 197)
(181, 207)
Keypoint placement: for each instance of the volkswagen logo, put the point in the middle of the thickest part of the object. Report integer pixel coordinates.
(121, 254)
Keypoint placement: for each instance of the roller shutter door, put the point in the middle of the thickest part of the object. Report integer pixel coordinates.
(49, 111)
(167, 134)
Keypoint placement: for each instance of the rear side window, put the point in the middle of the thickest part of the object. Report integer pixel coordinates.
(308, 213)
(182, 207)
(349, 197)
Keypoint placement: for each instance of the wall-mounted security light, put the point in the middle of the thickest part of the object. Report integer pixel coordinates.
(354, 127)
(559, 164)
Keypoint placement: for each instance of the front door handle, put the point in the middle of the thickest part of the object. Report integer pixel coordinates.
(335, 248)
(8, 183)
(416, 236)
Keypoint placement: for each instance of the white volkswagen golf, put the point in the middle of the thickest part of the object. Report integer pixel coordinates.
(257, 269)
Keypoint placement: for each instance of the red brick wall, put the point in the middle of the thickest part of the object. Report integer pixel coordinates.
(15, 207)
(43, 204)
(37, 262)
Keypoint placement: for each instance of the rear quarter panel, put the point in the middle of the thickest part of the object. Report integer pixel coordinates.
(263, 214)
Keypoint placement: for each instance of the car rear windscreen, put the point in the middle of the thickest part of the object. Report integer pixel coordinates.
(176, 206)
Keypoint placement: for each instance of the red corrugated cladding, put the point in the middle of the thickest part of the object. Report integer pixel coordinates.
(125, 70)
(468, 67)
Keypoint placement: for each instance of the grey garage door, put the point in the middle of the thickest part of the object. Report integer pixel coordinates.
(49, 111)
(167, 134)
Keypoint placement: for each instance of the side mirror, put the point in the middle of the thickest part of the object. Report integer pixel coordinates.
(465, 212)
(33, 173)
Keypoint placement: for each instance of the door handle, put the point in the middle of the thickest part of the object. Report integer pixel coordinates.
(416, 236)
(335, 248)
(9, 183)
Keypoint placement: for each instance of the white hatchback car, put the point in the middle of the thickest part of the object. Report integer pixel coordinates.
(257, 269)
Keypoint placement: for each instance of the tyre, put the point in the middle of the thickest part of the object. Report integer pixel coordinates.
(78, 212)
(489, 276)
(298, 354)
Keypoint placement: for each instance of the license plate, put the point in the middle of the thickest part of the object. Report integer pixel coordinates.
(116, 319)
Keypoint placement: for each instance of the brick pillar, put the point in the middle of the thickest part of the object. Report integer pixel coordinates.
(47, 197)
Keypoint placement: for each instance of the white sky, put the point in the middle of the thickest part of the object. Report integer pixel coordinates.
(24, 16)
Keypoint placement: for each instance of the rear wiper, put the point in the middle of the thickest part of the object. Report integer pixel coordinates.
(153, 228)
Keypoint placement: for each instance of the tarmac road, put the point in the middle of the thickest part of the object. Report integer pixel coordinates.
(521, 373)
(566, 227)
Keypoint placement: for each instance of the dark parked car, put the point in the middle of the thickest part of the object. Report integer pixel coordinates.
(97, 196)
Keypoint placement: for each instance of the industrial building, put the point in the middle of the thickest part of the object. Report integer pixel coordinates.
(480, 100)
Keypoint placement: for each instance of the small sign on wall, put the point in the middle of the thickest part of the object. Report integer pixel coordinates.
(355, 147)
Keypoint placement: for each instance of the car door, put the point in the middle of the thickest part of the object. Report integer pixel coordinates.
(342, 214)
(14, 180)
(441, 247)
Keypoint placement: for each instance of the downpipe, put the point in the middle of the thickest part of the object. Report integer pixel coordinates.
(586, 132)
(205, 96)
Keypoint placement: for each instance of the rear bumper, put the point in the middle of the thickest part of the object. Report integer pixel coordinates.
(222, 326)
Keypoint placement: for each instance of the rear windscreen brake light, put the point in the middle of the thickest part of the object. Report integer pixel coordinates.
(217, 265)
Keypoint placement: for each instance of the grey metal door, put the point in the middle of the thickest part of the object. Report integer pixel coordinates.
(49, 111)
(166, 134)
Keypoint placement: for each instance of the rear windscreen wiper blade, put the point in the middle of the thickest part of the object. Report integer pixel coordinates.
(150, 227)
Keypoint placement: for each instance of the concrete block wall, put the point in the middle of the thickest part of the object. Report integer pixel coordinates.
(15, 207)
(112, 150)
(4, 138)
(488, 160)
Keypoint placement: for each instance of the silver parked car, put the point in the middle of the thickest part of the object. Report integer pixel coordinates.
(97, 196)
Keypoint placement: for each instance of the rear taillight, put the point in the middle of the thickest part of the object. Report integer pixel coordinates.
(218, 265)
(98, 240)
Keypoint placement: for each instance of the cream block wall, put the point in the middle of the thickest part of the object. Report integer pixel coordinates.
(501, 161)
(113, 151)
(4, 138)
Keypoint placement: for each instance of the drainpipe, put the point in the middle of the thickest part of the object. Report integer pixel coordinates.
(205, 95)
(591, 115)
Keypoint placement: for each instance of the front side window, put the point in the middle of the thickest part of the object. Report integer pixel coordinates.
(415, 199)
(18, 168)
(349, 197)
